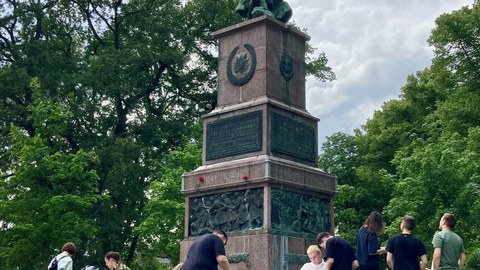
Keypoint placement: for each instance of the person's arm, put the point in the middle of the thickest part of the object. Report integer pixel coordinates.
(223, 262)
(461, 261)
(390, 260)
(437, 252)
(355, 265)
(381, 250)
(328, 264)
(424, 261)
(372, 244)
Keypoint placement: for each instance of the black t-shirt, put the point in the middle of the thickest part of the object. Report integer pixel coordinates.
(406, 250)
(341, 252)
(203, 252)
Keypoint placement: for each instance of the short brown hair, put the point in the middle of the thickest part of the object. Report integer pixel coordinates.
(450, 220)
(70, 248)
(409, 222)
(113, 255)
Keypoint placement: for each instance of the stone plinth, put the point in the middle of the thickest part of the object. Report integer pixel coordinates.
(286, 189)
(270, 40)
(262, 126)
(259, 179)
(259, 170)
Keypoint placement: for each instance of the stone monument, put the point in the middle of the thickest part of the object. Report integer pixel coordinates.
(259, 181)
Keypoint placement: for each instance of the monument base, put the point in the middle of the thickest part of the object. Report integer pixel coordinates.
(271, 208)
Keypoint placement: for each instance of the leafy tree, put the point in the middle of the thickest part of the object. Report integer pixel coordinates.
(163, 227)
(418, 155)
(340, 157)
(438, 173)
(51, 194)
(94, 97)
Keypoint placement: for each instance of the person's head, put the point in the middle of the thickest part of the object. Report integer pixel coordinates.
(69, 248)
(314, 254)
(448, 220)
(374, 223)
(408, 223)
(112, 259)
(322, 239)
(222, 235)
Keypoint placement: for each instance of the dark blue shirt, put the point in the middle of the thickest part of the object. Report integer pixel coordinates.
(202, 254)
(367, 244)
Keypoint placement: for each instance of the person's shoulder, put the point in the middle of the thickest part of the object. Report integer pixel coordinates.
(439, 235)
(416, 237)
(395, 237)
(455, 235)
(205, 236)
(342, 241)
(417, 240)
(123, 267)
(308, 266)
(305, 266)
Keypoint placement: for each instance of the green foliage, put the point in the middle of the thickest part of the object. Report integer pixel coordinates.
(164, 226)
(419, 154)
(46, 203)
(317, 66)
(99, 104)
(340, 157)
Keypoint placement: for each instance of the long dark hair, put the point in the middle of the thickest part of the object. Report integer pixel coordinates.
(374, 223)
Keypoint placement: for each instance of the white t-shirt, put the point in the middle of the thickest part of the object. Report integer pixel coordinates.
(65, 263)
(311, 266)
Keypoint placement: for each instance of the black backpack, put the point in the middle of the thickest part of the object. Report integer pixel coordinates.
(54, 265)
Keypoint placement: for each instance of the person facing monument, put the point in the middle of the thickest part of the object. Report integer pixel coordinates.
(277, 9)
(207, 251)
(404, 250)
(338, 252)
(448, 252)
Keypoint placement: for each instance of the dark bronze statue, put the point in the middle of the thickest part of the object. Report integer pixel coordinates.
(277, 9)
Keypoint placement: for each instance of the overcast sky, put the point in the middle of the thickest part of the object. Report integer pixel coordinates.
(372, 46)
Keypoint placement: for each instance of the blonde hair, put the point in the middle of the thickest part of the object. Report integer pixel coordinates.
(313, 248)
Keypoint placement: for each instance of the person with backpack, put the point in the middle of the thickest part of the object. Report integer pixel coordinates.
(63, 261)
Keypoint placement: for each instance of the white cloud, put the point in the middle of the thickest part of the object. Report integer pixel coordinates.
(372, 46)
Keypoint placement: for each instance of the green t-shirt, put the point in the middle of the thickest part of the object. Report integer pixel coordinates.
(451, 245)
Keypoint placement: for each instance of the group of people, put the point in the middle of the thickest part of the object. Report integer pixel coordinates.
(404, 251)
(64, 260)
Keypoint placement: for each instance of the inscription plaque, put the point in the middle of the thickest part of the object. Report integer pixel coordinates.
(234, 135)
(292, 137)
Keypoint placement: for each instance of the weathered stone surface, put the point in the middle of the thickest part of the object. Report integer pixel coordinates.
(271, 198)
(270, 40)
